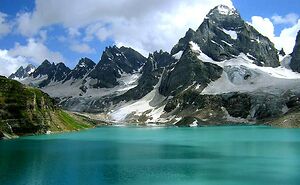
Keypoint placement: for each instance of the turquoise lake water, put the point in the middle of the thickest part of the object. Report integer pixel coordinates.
(148, 156)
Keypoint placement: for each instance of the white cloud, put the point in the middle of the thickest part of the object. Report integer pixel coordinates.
(4, 25)
(285, 40)
(73, 32)
(148, 25)
(10, 64)
(99, 30)
(290, 18)
(82, 48)
(35, 52)
(264, 26)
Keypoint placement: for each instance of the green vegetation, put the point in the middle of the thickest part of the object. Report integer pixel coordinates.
(71, 122)
(25, 110)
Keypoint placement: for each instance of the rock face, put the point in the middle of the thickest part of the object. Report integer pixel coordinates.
(225, 72)
(295, 61)
(25, 110)
(51, 72)
(224, 35)
(113, 64)
(84, 66)
(188, 71)
(22, 72)
(151, 73)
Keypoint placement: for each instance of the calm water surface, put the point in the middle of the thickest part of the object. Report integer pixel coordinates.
(145, 156)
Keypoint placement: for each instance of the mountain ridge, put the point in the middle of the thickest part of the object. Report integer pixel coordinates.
(225, 71)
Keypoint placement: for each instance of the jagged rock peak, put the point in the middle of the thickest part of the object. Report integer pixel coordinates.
(225, 17)
(114, 63)
(85, 62)
(295, 62)
(84, 66)
(282, 52)
(224, 35)
(22, 72)
(46, 62)
(223, 10)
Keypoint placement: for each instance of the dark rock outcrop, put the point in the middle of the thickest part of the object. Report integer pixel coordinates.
(84, 66)
(212, 109)
(188, 71)
(114, 62)
(151, 73)
(53, 72)
(282, 52)
(224, 35)
(22, 72)
(295, 62)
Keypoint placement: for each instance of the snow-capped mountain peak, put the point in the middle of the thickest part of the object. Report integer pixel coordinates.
(221, 11)
(224, 35)
(22, 72)
(226, 10)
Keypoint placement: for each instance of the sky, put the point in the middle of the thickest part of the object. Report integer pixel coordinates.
(67, 30)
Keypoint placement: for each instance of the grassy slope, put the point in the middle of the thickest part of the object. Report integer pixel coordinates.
(66, 121)
(25, 110)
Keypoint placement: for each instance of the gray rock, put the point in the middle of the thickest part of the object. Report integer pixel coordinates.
(187, 71)
(223, 36)
(295, 62)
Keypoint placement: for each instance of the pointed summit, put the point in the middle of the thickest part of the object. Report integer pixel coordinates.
(225, 17)
(224, 35)
(84, 66)
(43, 69)
(50, 73)
(114, 63)
(223, 10)
(22, 72)
(46, 63)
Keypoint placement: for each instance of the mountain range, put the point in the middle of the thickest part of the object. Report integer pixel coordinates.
(225, 72)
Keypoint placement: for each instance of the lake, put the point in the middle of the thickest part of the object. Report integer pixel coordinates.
(154, 156)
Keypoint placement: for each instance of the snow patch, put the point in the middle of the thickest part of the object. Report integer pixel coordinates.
(194, 124)
(225, 10)
(178, 55)
(226, 43)
(31, 71)
(82, 65)
(241, 75)
(195, 47)
(138, 108)
(231, 33)
(201, 56)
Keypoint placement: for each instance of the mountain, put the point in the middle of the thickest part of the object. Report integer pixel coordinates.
(25, 110)
(225, 72)
(84, 66)
(51, 72)
(295, 61)
(117, 71)
(151, 73)
(22, 72)
(223, 35)
(115, 63)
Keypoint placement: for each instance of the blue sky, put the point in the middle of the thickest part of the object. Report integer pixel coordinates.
(66, 30)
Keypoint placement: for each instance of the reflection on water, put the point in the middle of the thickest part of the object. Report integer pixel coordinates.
(135, 156)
